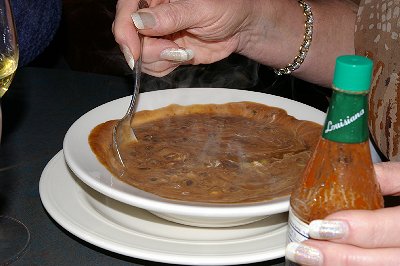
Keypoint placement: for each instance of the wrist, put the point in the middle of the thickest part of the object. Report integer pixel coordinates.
(275, 38)
(274, 33)
(305, 45)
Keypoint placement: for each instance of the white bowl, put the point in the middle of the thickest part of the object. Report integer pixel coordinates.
(85, 165)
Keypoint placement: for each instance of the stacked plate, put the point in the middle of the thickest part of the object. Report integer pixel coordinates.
(87, 200)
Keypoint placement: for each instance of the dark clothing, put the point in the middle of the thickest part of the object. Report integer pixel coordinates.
(37, 22)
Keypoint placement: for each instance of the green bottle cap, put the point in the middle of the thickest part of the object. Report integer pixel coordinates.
(353, 73)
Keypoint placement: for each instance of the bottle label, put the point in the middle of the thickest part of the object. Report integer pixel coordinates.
(297, 229)
(343, 122)
(347, 118)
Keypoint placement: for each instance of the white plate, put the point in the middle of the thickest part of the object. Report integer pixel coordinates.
(84, 164)
(134, 232)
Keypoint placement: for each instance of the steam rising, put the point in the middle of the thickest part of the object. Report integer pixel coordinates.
(235, 72)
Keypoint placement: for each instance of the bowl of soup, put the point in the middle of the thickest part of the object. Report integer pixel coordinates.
(208, 157)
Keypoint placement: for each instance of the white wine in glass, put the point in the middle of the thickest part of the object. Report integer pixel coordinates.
(9, 52)
(8, 65)
(14, 235)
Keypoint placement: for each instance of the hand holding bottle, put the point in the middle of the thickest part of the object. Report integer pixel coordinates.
(356, 237)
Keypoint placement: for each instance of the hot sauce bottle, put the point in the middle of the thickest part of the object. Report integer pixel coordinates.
(340, 173)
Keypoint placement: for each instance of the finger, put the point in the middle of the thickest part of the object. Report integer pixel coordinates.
(161, 56)
(168, 18)
(123, 28)
(156, 49)
(124, 31)
(312, 252)
(387, 174)
(367, 229)
(160, 68)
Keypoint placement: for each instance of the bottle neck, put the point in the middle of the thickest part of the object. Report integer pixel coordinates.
(347, 118)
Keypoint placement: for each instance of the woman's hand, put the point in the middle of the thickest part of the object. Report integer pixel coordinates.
(181, 32)
(356, 237)
(205, 31)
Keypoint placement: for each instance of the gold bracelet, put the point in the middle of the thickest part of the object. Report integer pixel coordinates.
(305, 46)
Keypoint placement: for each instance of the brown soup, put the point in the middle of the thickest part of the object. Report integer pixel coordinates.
(216, 153)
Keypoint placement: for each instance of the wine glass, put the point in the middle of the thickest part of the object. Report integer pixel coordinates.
(8, 46)
(14, 235)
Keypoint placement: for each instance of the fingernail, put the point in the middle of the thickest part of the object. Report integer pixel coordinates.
(143, 20)
(303, 254)
(128, 56)
(328, 229)
(179, 55)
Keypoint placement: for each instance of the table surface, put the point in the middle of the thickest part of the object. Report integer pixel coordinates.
(37, 112)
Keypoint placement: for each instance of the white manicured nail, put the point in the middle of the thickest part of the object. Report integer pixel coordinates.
(303, 254)
(328, 229)
(128, 56)
(178, 55)
(143, 20)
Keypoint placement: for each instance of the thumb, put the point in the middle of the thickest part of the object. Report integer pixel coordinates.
(362, 228)
(166, 18)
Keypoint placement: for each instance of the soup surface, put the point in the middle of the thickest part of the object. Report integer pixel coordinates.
(216, 153)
